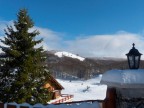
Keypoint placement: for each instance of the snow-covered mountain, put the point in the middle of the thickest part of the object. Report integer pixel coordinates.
(61, 62)
(64, 65)
(67, 54)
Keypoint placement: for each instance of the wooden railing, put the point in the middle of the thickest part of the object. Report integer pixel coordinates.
(64, 98)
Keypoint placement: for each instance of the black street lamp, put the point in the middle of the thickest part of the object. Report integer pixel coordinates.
(133, 58)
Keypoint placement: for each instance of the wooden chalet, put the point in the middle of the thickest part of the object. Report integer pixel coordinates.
(54, 86)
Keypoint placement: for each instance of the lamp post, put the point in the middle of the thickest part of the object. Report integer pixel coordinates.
(133, 58)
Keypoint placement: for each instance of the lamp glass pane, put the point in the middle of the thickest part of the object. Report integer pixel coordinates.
(137, 61)
(131, 61)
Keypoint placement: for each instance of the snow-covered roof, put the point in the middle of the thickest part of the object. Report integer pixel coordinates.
(57, 85)
(133, 78)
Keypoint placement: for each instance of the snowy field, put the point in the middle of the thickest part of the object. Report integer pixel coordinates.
(84, 90)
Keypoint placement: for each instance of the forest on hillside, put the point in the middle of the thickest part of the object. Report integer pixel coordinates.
(67, 67)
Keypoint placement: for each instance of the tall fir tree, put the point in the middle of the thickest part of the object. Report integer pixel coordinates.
(23, 72)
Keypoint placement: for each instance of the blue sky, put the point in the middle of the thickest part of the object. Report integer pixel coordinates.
(87, 27)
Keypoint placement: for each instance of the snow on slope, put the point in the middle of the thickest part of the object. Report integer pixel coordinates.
(67, 54)
(84, 90)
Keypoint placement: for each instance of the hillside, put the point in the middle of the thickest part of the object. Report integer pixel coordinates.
(68, 66)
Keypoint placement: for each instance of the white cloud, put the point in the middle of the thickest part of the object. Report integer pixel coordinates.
(111, 45)
(3, 25)
(52, 40)
(115, 45)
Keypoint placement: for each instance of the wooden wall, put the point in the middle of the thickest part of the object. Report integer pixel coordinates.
(110, 101)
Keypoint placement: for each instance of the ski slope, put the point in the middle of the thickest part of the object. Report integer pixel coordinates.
(84, 90)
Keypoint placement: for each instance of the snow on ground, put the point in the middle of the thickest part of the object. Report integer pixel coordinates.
(84, 90)
(67, 54)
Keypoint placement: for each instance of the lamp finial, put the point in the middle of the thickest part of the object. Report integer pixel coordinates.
(133, 45)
